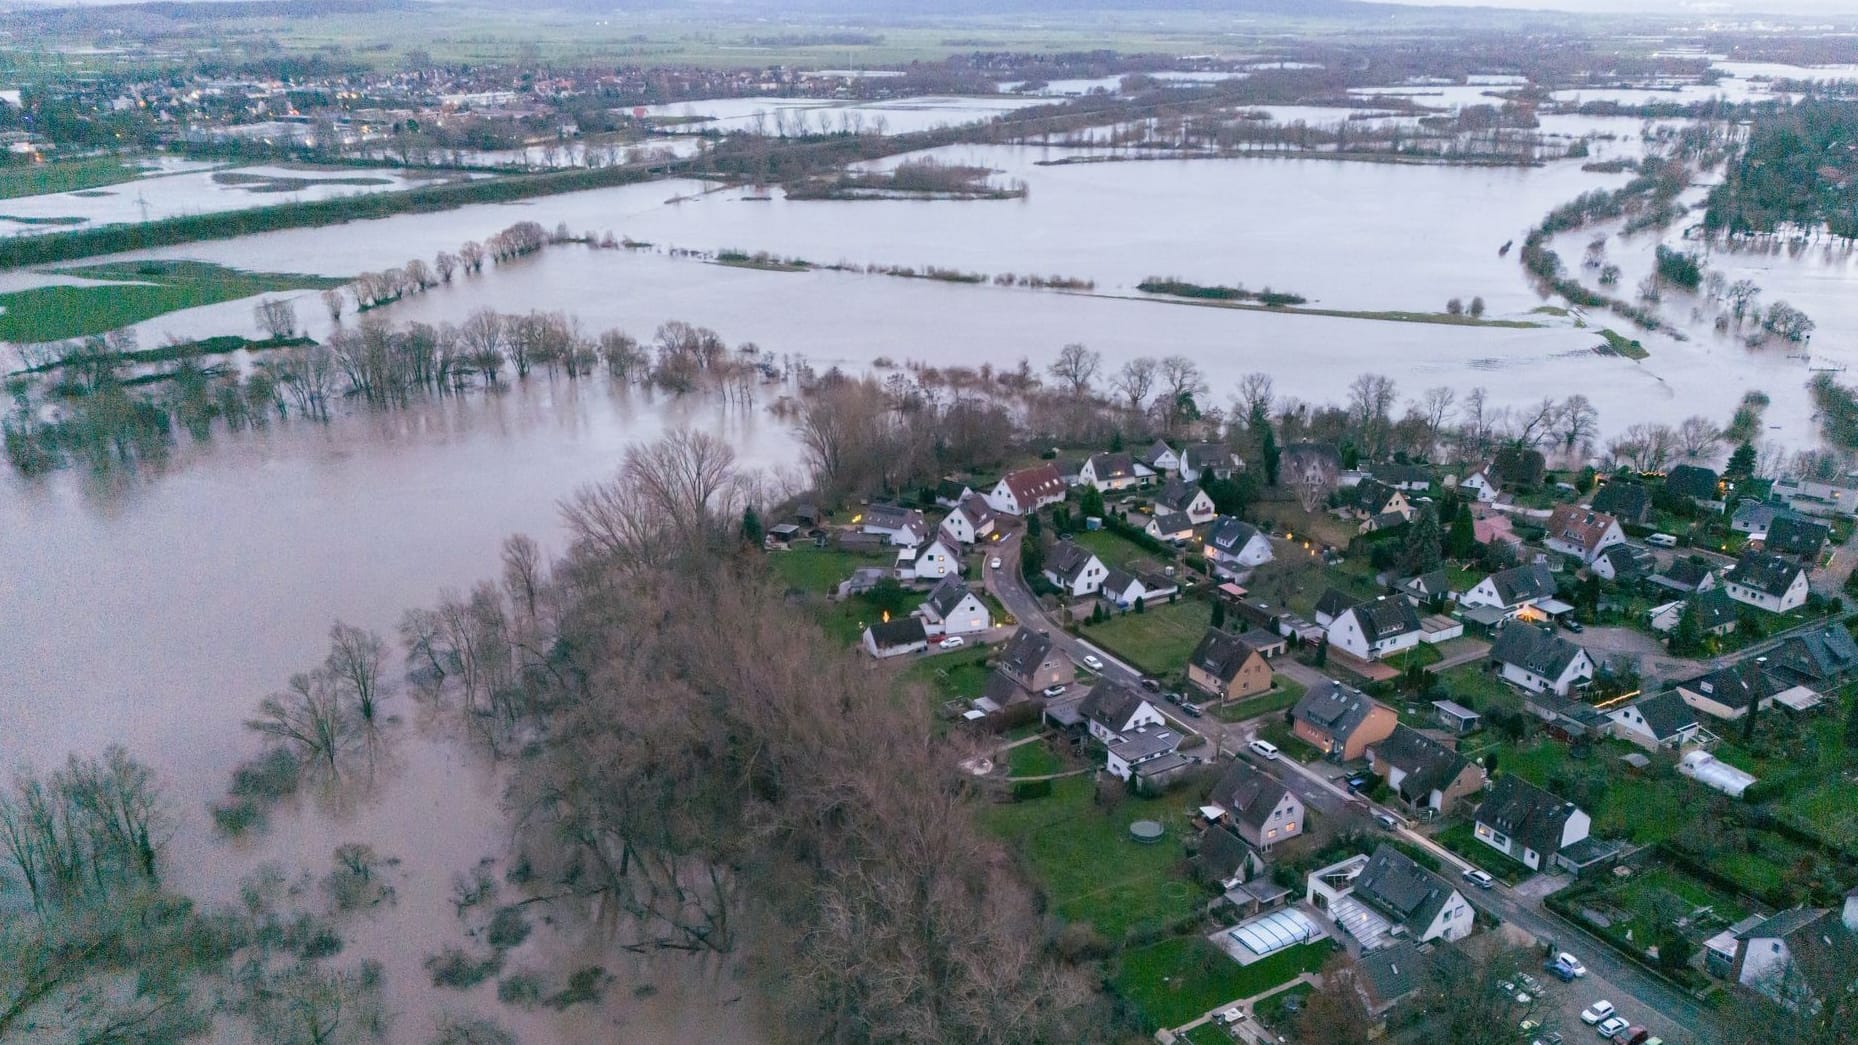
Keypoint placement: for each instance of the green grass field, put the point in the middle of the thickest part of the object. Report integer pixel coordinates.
(1284, 693)
(1117, 552)
(819, 570)
(148, 289)
(38, 179)
(1157, 640)
(1034, 760)
(1176, 980)
(1460, 839)
(1090, 867)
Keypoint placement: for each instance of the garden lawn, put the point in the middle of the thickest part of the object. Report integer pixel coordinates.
(846, 621)
(1158, 640)
(1284, 693)
(1036, 759)
(950, 676)
(1091, 869)
(1425, 654)
(1175, 981)
(1461, 838)
(1205, 1034)
(1116, 551)
(1479, 688)
(148, 289)
(41, 179)
(818, 569)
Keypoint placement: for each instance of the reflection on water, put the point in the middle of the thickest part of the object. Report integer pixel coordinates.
(157, 608)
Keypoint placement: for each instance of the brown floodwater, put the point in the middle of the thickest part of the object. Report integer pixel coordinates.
(154, 609)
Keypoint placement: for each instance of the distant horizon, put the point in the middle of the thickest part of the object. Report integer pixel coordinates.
(1700, 8)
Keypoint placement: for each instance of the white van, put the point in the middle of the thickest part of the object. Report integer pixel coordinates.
(1264, 748)
(1661, 540)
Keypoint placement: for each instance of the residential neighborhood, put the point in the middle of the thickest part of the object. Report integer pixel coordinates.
(1373, 761)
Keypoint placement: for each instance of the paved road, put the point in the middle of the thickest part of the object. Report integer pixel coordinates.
(1650, 1002)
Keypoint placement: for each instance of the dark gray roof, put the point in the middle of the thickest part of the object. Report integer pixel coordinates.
(1685, 574)
(1333, 708)
(1371, 495)
(1519, 466)
(1434, 583)
(950, 490)
(946, 596)
(1144, 742)
(1538, 651)
(1112, 466)
(1401, 889)
(1200, 456)
(1759, 515)
(1392, 973)
(1024, 652)
(1739, 685)
(1817, 656)
(1221, 654)
(1176, 495)
(893, 517)
(1388, 521)
(1625, 500)
(1116, 581)
(1230, 535)
(1627, 561)
(1394, 474)
(1155, 452)
(1520, 584)
(1763, 572)
(1068, 559)
(1334, 602)
(1223, 851)
(1525, 812)
(1689, 480)
(1386, 617)
(1429, 765)
(1715, 608)
(1173, 522)
(1666, 714)
(1110, 704)
(1002, 690)
(904, 631)
(976, 508)
(1801, 538)
(1248, 794)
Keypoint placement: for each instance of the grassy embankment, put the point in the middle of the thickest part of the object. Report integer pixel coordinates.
(1620, 345)
(40, 179)
(21, 251)
(1173, 292)
(146, 289)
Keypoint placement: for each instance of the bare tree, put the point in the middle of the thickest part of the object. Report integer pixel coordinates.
(445, 263)
(1370, 404)
(1577, 422)
(310, 720)
(1182, 384)
(354, 663)
(332, 300)
(1134, 382)
(1257, 393)
(1697, 434)
(1077, 366)
(277, 317)
(1536, 423)
(1436, 407)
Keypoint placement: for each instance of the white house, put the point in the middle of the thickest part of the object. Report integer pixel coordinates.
(1373, 630)
(1075, 569)
(1766, 582)
(1106, 472)
(1177, 497)
(1172, 527)
(1818, 498)
(1387, 897)
(1799, 957)
(1526, 823)
(1200, 460)
(1234, 546)
(1161, 458)
(1027, 490)
(1142, 751)
(1537, 659)
(1260, 808)
(1662, 722)
(932, 562)
(1582, 533)
(1122, 588)
(1481, 484)
(1512, 590)
(972, 520)
(1112, 710)
(903, 527)
(952, 609)
(895, 638)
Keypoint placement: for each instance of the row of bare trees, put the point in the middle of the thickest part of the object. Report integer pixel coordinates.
(697, 770)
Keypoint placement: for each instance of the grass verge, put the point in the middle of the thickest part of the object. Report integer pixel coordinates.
(1174, 981)
(149, 289)
(39, 179)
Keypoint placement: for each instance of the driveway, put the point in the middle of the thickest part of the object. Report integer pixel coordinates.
(1642, 999)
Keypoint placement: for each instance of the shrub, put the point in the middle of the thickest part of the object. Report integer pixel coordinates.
(455, 968)
(508, 928)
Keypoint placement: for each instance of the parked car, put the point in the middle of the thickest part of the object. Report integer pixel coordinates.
(1091, 662)
(1479, 878)
(1610, 1026)
(1193, 710)
(1359, 782)
(1574, 964)
(1052, 691)
(1631, 1036)
(1530, 983)
(1661, 540)
(1558, 970)
(1151, 684)
(1572, 625)
(952, 642)
(1387, 820)
(993, 563)
(1596, 1012)
(1229, 1017)
(1264, 748)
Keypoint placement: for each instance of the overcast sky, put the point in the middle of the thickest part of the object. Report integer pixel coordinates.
(1726, 8)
